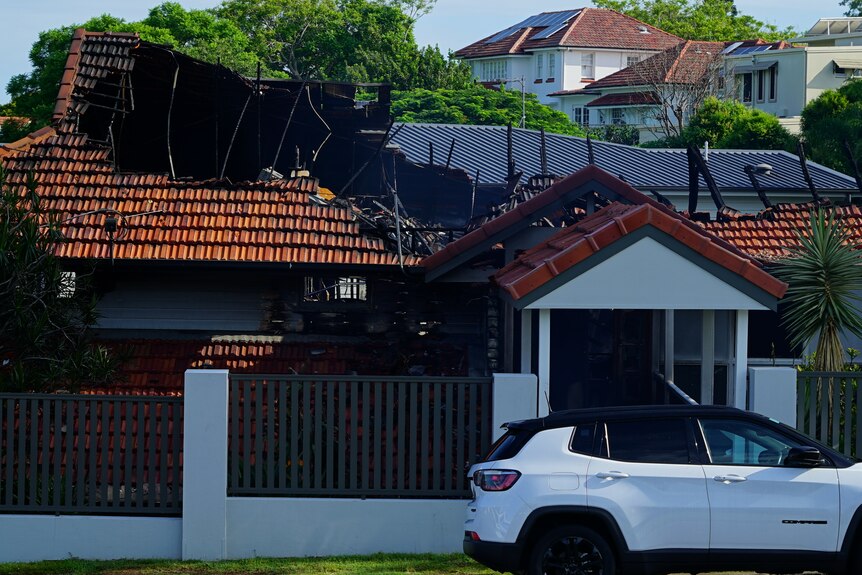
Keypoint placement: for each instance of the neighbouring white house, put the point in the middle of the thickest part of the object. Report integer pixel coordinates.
(656, 95)
(565, 50)
(782, 82)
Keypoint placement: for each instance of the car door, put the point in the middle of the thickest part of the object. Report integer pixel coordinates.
(648, 477)
(756, 502)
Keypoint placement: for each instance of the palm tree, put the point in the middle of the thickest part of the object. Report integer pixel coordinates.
(825, 278)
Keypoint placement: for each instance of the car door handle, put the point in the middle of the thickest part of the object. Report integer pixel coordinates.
(729, 478)
(611, 475)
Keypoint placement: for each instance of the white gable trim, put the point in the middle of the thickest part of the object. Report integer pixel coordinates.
(647, 275)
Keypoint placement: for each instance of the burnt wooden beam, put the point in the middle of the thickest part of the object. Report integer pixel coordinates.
(749, 170)
(803, 163)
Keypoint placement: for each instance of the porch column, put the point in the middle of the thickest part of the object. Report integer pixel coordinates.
(544, 361)
(740, 359)
(526, 341)
(707, 354)
(668, 344)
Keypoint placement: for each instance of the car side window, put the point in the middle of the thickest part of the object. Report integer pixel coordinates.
(736, 442)
(582, 438)
(647, 441)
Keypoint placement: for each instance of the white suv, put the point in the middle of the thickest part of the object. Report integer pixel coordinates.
(663, 489)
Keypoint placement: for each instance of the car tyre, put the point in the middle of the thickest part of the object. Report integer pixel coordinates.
(571, 550)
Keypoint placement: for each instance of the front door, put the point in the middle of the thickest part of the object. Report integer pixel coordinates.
(600, 357)
(758, 503)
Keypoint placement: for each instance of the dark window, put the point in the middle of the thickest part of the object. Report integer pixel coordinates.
(509, 444)
(648, 441)
(582, 439)
(746, 87)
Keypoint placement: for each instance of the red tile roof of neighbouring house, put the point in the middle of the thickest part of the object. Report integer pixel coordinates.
(683, 63)
(570, 246)
(498, 228)
(627, 99)
(160, 219)
(589, 28)
(768, 235)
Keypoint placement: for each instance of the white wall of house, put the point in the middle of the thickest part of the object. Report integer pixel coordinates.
(801, 75)
(569, 71)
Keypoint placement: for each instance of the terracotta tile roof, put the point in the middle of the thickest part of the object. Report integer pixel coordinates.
(162, 219)
(572, 245)
(156, 367)
(683, 63)
(627, 99)
(495, 229)
(767, 235)
(591, 28)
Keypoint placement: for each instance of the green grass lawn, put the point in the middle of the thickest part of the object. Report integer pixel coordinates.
(456, 564)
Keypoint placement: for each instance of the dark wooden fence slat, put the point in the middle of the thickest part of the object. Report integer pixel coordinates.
(177, 419)
(425, 437)
(354, 446)
(365, 424)
(460, 456)
(245, 481)
(342, 480)
(269, 438)
(318, 441)
(57, 440)
(448, 444)
(152, 438)
(294, 435)
(33, 436)
(412, 452)
(233, 441)
(437, 414)
(92, 471)
(330, 434)
(283, 433)
(401, 462)
(307, 426)
(847, 416)
(47, 404)
(115, 455)
(377, 439)
(258, 433)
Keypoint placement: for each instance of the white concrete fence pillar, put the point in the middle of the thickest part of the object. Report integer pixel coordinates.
(772, 392)
(515, 396)
(205, 464)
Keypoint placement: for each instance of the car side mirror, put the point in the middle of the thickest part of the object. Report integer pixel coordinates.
(803, 457)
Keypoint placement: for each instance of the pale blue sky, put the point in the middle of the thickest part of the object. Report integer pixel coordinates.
(453, 24)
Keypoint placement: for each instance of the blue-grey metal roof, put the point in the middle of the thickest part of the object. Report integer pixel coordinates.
(484, 148)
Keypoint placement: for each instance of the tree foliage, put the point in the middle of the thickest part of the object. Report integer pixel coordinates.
(730, 124)
(478, 105)
(825, 275)
(716, 20)
(832, 119)
(341, 40)
(45, 315)
(854, 7)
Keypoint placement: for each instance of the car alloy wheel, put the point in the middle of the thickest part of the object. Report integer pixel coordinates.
(572, 550)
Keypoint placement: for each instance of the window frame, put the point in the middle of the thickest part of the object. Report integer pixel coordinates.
(630, 57)
(540, 62)
(705, 450)
(552, 66)
(591, 66)
(761, 86)
(601, 440)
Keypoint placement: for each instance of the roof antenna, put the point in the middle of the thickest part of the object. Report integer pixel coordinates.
(591, 157)
(548, 402)
(803, 162)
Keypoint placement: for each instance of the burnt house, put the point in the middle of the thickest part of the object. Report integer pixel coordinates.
(213, 212)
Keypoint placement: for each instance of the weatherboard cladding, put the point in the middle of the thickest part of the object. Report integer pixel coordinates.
(271, 222)
(483, 148)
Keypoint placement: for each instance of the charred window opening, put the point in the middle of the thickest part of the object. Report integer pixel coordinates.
(169, 113)
(340, 289)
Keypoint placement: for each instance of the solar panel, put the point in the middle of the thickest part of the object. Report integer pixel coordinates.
(752, 49)
(553, 22)
(731, 48)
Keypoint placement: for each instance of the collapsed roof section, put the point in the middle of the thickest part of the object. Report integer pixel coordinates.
(147, 145)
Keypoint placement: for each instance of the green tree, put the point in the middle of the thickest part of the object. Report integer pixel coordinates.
(436, 71)
(729, 124)
(715, 20)
(196, 32)
(830, 120)
(45, 315)
(478, 105)
(854, 7)
(824, 273)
